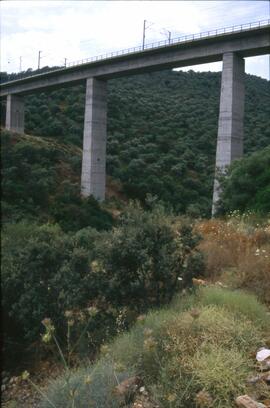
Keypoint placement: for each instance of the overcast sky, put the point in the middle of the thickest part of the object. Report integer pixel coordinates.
(81, 29)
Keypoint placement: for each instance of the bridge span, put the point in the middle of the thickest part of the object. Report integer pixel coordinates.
(230, 45)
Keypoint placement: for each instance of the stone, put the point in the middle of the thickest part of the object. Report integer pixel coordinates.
(266, 377)
(244, 401)
(265, 365)
(263, 354)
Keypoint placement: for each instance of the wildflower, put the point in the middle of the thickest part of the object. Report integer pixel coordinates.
(119, 367)
(149, 344)
(92, 311)
(204, 399)
(147, 332)
(25, 375)
(104, 349)
(70, 322)
(68, 313)
(72, 393)
(46, 322)
(46, 338)
(95, 266)
(195, 313)
(141, 318)
(88, 379)
(81, 317)
(171, 397)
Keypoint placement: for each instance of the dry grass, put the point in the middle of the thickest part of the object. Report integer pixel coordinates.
(238, 254)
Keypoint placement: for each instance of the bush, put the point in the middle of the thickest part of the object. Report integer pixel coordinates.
(72, 212)
(246, 186)
(43, 274)
(93, 386)
(121, 272)
(147, 258)
(184, 352)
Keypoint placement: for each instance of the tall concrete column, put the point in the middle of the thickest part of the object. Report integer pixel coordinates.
(15, 113)
(93, 178)
(231, 117)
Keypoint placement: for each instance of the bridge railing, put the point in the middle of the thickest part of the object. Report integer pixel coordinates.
(164, 43)
(173, 41)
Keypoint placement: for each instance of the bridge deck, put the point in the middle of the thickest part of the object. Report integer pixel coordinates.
(189, 51)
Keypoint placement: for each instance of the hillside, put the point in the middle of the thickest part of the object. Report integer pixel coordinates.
(162, 130)
(41, 183)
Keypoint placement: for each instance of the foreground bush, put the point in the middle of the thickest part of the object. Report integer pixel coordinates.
(120, 273)
(197, 347)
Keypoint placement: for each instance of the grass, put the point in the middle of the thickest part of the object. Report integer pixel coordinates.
(240, 303)
(198, 348)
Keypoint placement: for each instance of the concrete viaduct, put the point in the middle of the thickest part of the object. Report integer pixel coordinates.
(230, 46)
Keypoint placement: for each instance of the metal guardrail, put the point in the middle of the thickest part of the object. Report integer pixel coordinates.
(161, 44)
(174, 41)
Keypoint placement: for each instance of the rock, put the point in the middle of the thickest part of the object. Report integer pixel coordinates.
(266, 377)
(3, 387)
(265, 365)
(263, 354)
(244, 401)
(253, 380)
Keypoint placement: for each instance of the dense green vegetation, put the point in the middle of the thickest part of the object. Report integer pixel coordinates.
(118, 273)
(41, 182)
(162, 131)
(196, 353)
(246, 187)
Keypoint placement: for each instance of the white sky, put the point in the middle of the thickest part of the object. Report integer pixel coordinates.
(81, 29)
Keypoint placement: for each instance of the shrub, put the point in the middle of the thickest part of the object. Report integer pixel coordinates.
(240, 303)
(93, 386)
(246, 186)
(121, 272)
(72, 212)
(147, 258)
(44, 273)
(181, 354)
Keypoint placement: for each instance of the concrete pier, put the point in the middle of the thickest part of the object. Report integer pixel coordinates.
(231, 117)
(15, 113)
(93, 178)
